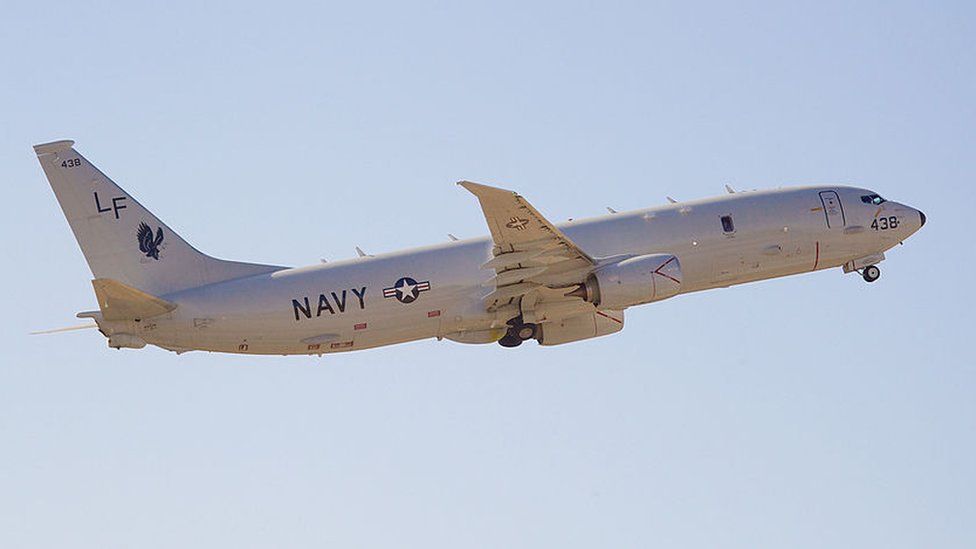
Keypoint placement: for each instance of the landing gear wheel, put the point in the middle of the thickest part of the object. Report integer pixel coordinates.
(525, 332)
(518, 332)
(871, 273)
(509, 340)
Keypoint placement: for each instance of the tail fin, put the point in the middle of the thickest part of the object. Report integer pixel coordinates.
(122, 240)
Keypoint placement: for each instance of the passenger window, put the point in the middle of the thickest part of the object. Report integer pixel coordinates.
(727, 225)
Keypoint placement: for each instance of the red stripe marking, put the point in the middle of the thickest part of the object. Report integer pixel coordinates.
(360, 326)
(817, 260)
(658, 271)
(604, 315)
(432, 314)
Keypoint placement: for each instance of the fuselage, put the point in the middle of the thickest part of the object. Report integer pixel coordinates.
(349, 305)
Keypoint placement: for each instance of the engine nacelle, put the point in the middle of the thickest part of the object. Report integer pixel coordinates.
(585, 326)
(632, 281)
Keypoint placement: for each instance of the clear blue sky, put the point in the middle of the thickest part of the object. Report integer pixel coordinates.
(814, 411)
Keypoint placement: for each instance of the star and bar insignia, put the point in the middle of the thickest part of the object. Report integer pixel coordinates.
(406, 290)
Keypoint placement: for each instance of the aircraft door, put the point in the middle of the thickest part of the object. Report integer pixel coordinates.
(833, 210)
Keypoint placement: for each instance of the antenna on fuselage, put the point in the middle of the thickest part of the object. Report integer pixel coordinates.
(671, 200)
(611, 210)
(362, 253)
(730, 189)
(452, 237)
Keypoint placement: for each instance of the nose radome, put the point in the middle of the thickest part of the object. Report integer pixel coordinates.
(922, 217)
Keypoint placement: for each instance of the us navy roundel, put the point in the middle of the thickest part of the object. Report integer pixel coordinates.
(406, 290)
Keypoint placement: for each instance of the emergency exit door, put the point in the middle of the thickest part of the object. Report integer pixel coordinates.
(833, 210)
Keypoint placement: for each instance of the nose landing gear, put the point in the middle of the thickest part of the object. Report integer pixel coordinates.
(871, 273)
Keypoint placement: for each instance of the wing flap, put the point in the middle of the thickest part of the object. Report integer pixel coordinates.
(530, 253)
(512, 276)
(510, 259)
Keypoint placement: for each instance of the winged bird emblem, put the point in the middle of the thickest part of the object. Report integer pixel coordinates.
(147, 243)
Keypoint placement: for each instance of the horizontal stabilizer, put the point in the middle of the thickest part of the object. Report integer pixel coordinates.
(120, 302)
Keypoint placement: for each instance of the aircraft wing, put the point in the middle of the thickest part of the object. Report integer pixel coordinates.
(530, 253)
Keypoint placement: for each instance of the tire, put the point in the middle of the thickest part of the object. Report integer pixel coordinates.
(509, 341)
(525, 332)
(871, 273)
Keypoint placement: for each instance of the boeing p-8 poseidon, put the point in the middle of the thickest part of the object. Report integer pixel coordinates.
(531, 279)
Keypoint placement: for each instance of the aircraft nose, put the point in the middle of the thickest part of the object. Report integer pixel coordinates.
(922, 218)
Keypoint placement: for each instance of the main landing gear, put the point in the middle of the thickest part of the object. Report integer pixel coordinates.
(518, 332)
(871, 273)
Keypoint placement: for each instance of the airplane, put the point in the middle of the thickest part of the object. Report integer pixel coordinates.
(530, 279)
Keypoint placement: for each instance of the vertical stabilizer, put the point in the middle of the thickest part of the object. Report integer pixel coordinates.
(122, 240)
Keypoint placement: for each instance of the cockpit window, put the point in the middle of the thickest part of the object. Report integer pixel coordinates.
(872, 199)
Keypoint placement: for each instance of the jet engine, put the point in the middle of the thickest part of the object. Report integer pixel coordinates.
(632, 281)
(585, 326)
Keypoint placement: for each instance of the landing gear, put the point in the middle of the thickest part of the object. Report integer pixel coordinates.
(518, 332)
(871, 273)
(525, 332)
(508, 340)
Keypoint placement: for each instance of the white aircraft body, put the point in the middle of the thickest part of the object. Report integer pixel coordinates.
(531, 279)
